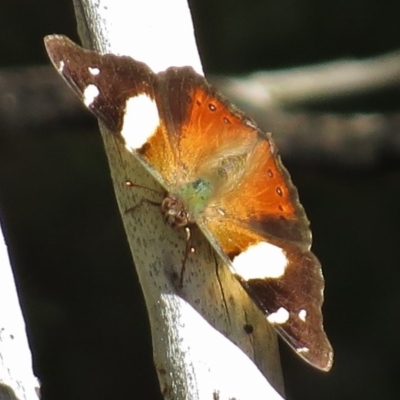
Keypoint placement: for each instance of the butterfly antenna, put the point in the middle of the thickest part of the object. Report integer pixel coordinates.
(132, 184)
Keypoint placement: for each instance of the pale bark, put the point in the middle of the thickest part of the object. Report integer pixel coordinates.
(17, 380)
(194, 328)
(315, 83)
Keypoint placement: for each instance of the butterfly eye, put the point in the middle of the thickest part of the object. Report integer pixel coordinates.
(180, 219)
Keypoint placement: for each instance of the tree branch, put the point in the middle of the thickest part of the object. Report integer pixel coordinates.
(291, 87)
(17, 380)
(193, 360)
(359, 140)
(333, 140)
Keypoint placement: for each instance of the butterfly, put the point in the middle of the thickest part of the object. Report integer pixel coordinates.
(220, 172)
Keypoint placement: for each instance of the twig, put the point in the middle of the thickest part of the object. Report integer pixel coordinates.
(340, 141)
(334, 140)
(33, 97)
(17, 381)
(300, 85)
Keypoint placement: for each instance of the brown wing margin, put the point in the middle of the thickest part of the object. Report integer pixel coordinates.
(117, 78)
(300, 292)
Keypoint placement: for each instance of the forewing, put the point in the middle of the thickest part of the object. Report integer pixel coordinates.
(123, 93)
(116, 78)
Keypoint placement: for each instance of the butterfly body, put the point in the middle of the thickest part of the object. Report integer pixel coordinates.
(220, 172)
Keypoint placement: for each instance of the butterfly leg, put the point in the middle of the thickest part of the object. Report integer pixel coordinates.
(141, 202)
(188, 249)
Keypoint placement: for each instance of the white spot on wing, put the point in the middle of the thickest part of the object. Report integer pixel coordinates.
(303, 315)
(141, 120)
(94, 70)
(61, 66)
(89, 94)
(280, 316)
(262, 260)
(303, 350)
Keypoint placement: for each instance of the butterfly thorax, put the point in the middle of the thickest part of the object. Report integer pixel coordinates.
(182, 208)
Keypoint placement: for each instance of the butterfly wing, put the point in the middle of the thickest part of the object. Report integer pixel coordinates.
(254, 219)
(110, 86)
(181, 129)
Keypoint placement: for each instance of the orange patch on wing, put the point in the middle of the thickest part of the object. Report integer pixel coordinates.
(211, 128)
(160, 155)
(265, 189)
(229, 236)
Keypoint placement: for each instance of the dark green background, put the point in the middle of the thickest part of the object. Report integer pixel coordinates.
(85, 315)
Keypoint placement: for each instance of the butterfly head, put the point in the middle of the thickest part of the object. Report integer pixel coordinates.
(175, 212)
